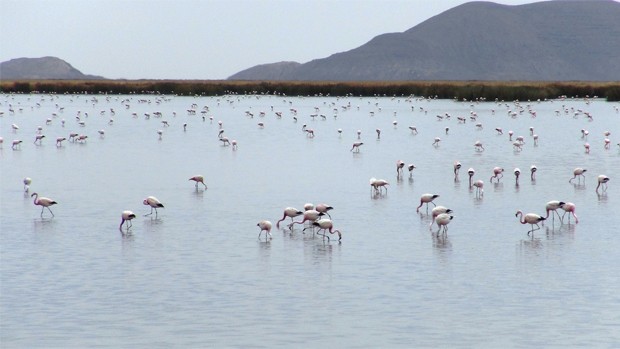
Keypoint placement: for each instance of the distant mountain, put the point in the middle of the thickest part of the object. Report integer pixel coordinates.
(41, 68)
(550, 40)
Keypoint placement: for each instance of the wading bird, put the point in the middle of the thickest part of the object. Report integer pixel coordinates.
(154, 203)
(426, 199)
(290, 212)
(198, 179)
(569, 208)
(43, 202)
(442, 221)
(126, 216)
(531, 218)
(326, 225)
(578, 173)
(498, 173)
(265, 226)
(602, 182)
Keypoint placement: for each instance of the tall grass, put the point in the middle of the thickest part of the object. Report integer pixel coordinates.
(469, 90)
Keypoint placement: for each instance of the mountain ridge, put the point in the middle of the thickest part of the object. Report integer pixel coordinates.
(41, 68)
(542, 41)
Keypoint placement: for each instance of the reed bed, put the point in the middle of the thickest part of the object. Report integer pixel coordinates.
(468, 90)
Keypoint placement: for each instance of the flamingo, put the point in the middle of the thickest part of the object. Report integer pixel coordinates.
(198, 179)
(356, 146)
(377, 184)
(499, 131)
(289, 212)
(410, 167)
(327, 225)
(569, 208)
(457, 167)
(578, 172)
(436, 212)
(533, 170)
(426, 199)
(607, 143)
(399, 167)
(436, 142)
(154, 203)
(553, 205)
(531, 218)
(234, 144)
(59, 141)
(126, 216)
(510, 133)
(602, 182)
(470, 173)
(27, 182)
(308, 216)
(478, 146)
(16, 143)
(308, 206)
(310, 133)
(266, 227)
(413, 129)
(324, 209)
(378, 133)
(225, 141)
(517, 173)
(587, 147)
(497, 173)
(43, 202)
(442, 221)
(479, 184)
(39, 138)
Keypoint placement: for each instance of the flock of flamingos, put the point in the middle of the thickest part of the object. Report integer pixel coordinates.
(314, 216)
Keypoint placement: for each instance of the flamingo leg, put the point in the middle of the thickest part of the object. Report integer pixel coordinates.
(148, 214)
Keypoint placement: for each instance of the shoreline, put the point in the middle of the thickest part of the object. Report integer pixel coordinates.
(461, 90)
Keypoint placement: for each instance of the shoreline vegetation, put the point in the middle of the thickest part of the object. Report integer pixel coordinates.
(460, 90)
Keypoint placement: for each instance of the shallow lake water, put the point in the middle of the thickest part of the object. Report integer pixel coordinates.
(197, 275)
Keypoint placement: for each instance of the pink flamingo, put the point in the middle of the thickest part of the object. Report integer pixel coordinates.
(324, 209)
(39, 138)
(198, 179)
(399, 168)
(569, 208)
(59, 141)
(517, 173)
(587, 147)
(126, 216)
(602, 182)
(436, 142)
(308, 216)
(533, 170)
(410, 167)
(497, 173)
(327, 225)
(377, 184)
(154, 203)
(457, 167)
(436, 212)
(442, 221)
(531, 218)
(578, 172)
(290, 212)
(553, 205)
(27, 181)
(478, 146)
(266, 227)
(470, 173)
(356, 146)
(43, 202)
(426, 199)
(479, 184)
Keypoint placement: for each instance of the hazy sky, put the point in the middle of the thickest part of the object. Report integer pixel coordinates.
(193, 39)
